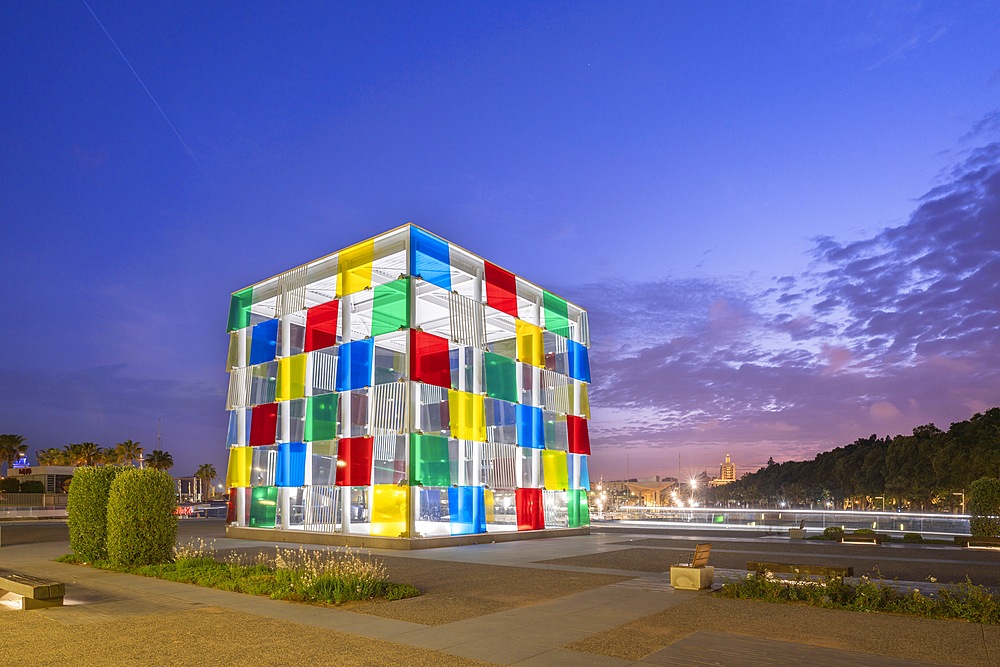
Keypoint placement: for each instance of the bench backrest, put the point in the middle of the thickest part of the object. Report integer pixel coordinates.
(700, 556)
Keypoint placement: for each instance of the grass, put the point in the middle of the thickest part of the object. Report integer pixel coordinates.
(964, 601)
(300, 575)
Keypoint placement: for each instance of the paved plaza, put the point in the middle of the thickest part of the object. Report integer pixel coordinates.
(602, 599)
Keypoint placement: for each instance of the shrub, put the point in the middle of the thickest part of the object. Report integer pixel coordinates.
(32, 486)
(10, 485)
(984, 507)
(913, 537)
(87, 509)
(833, 532)
(142, 527)
(864, 531)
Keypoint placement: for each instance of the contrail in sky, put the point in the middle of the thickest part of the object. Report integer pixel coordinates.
(139, 79)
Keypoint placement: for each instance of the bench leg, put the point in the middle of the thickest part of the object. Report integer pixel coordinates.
(32, 603)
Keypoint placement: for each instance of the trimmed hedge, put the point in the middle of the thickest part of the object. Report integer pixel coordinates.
(87, 508)
(142, 526)
(10, 485)
(984, 507)
(32, 486)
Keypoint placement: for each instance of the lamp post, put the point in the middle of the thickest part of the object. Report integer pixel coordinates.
(960, 493)
(694, 486)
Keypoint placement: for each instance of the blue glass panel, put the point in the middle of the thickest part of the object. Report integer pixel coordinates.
(429, 258)
(354, 364)
(467, 509)
(291, 464)
(530, 427)
(579, 461)
(232, 437)
(579, 361)
(263, 342)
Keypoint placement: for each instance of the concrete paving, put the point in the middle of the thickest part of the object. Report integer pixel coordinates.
(534, 634)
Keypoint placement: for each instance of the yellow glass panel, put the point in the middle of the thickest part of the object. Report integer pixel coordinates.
(529, 344)
(468, 416)
(490, 516)
(584, 407)
(291, 378)
(238, 472)
(354, 268)
(390, 504)
(555, 470)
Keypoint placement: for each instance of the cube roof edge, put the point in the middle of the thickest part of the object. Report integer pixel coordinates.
(395, 230)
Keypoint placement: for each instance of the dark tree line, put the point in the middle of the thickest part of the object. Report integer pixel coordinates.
(922, 471)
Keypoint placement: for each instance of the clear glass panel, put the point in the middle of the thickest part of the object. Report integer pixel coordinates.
(321, 508)
(500, 466)
(556, 514)
(390, 363)
(264, 466)
(556, 432)
(264, 383)
(501, 421)
(432, 414)
(431, 511)
(354, 413)
(296, 338)
(324, 463)
(389, 454)
(461, 456)
(556, 353)
(324, 370)
(296, 416)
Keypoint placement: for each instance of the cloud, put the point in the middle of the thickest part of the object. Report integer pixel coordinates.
(881, 334)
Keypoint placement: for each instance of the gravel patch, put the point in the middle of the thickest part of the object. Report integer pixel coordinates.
(211, 634)
(955, 642)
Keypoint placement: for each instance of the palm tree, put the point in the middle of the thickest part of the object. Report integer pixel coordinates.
(53, 456)
(206, 473)
(129, 451)
(160, 460)
(12, 448)
(83, 453)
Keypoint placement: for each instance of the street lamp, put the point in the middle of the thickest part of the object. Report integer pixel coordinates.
(882, 498)
(960, 493)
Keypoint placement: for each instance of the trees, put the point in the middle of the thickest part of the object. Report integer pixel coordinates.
(206, 473)
(12, 448)
(129, 451)
(83, 453)
(160, 460)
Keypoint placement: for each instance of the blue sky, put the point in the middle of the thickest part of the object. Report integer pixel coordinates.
(783, 216)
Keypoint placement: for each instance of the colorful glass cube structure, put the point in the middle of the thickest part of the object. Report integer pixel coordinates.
(404, 387)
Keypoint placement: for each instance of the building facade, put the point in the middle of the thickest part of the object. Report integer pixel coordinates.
(404, 387)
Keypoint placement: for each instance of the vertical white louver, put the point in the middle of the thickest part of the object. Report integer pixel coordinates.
(239, 388)
(499, 468)
(468, 321)
(291, 292)
(389, 416)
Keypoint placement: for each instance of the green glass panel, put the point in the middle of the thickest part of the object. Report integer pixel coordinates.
(263, 506)
(429, 460)
(391, 307)
(556, 314)
(321, 418)
(501, 377)
(239, 309)
(577, 508)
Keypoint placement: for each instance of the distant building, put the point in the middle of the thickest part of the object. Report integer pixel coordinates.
(55, 478)
(727, 474)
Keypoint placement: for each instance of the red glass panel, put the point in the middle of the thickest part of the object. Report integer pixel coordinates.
(263, 424)
(231, 516)
(321, 326)
(579, 435)
(501, 289)
(530, 512)
(429, 362)
(354, 461)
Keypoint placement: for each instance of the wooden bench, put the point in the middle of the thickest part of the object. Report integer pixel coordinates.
(862, 538)
(35, 593)
(801, 570)
(695, 574)
(968, 541)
